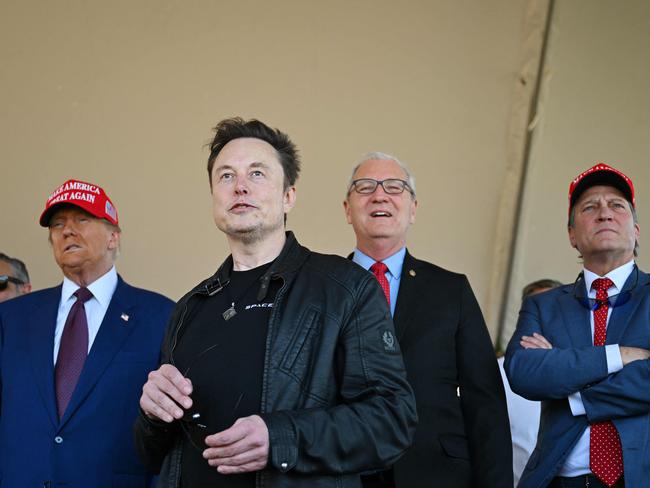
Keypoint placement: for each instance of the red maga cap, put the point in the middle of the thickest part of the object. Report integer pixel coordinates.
(601, 174)
(91, 198)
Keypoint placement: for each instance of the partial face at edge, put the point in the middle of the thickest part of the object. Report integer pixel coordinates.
(12, 289)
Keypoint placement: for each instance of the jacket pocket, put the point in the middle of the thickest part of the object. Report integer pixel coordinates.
(455, 446)
(304, 335)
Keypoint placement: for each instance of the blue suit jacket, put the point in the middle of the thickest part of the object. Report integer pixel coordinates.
(92, 445)
(574, 364)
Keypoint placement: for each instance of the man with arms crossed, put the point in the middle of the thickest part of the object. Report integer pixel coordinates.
(463, 438)
(582, 349)
(282, 369)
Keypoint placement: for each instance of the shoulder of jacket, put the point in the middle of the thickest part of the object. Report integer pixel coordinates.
(32, 299)
(151, 296)
(336, 269)
(433, 269)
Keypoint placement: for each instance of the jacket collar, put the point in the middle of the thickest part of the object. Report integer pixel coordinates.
(290, 259)
(575, 309)
(120, 321)
(409, 295)
(114, 330)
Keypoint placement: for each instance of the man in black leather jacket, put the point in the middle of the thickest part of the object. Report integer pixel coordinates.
(282, 369)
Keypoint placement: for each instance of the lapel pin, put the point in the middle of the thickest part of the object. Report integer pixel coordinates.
(124, 317)
(412, 272)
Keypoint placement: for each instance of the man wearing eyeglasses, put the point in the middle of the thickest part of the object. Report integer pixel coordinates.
(74, 357)
(584, 349)
(281, 370)
(14, 279)
(463, 436)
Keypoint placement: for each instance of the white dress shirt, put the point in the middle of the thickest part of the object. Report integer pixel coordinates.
(577, 463)
(102, 290)
(524, 425)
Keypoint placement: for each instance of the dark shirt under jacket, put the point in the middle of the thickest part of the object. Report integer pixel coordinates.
(224, 360)
(334, 393)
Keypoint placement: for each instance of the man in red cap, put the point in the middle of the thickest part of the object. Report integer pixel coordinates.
(584, 349)
(74, 357)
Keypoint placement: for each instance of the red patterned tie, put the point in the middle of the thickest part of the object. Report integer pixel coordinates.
(605, 452)
(379, 270)
(72, 351)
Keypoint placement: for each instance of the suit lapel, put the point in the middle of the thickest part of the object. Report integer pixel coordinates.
(407, 296)
(621, 315)
(41, 325)
(574, 307)
(112, 334)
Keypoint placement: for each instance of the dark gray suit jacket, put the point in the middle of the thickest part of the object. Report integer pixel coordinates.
(461, 441)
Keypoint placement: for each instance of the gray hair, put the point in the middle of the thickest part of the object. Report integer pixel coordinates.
(410, 179)
(18, 267)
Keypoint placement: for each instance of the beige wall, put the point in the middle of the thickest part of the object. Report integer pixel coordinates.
(124, 94)
(594, 107)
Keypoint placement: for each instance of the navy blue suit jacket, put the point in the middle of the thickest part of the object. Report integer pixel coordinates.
(575, 365)
(92, 445)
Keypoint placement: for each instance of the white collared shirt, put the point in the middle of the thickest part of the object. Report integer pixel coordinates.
(102, 290)
(577, 463)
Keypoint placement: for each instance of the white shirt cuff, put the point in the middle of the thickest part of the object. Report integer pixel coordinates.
(614, 364)
(614, 358)
(576, 405)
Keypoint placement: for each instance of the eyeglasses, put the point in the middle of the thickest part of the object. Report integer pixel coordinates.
(5, 280)
(392, 186)
(194, 424)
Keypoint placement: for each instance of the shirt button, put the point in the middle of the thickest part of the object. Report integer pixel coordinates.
(58, 439)
(284, 465)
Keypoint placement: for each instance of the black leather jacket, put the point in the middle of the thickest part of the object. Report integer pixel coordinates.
(335, 397)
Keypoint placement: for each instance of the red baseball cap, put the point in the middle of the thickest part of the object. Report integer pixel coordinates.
(87, 196)
(601, 174)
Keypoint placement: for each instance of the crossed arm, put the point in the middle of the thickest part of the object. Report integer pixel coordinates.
(628, 353)
(620, 394)
(538, 370)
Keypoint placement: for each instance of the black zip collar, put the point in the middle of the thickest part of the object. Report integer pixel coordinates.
(288, 261)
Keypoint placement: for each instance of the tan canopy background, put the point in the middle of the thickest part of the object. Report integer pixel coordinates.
(495, 105)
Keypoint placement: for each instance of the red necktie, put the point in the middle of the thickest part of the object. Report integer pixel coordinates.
(605, 452)
(379, 270)
(72, 351)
